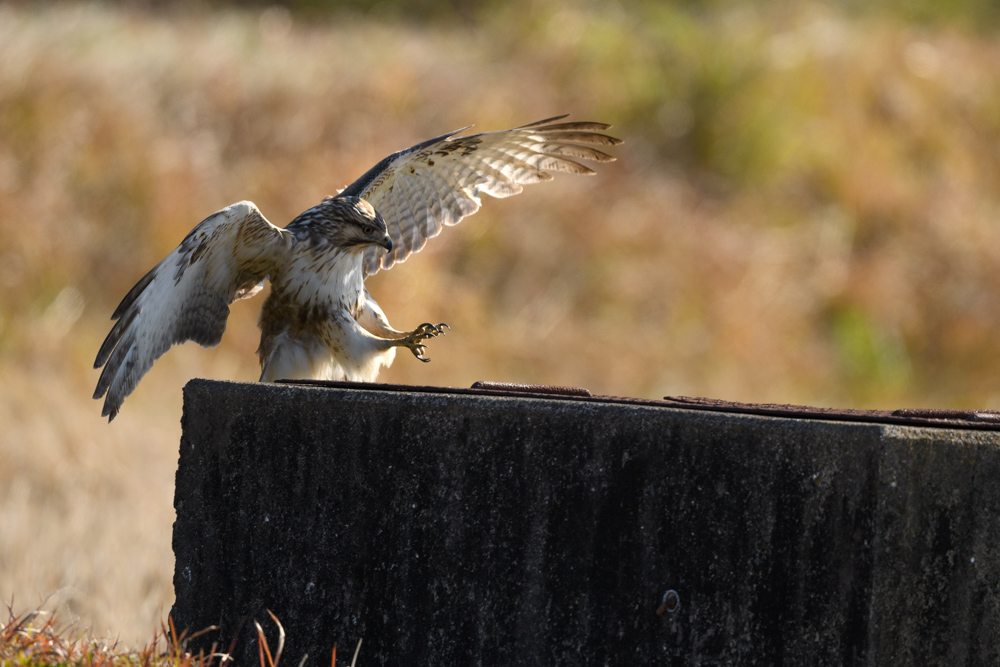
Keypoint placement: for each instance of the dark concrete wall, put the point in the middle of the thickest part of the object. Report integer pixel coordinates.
(463, 530)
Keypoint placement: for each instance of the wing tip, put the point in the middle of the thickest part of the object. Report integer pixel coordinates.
(111, 407)
(543, 121)
(110, 411)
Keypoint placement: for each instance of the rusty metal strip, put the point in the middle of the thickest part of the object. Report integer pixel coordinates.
(966, 419)
(516, 388)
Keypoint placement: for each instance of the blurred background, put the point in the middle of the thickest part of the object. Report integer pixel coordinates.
(805, 210)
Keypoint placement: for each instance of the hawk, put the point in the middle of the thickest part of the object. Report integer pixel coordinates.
(319, 321)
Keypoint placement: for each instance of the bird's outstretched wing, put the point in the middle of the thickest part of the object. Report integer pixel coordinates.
(439, 181)
(187, 295)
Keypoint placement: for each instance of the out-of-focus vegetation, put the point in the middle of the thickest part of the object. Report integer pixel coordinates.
(36, 639)
(806, 210)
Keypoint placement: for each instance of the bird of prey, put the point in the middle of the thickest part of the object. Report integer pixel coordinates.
(319, 321)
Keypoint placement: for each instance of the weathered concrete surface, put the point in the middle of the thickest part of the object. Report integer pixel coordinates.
(462, 530)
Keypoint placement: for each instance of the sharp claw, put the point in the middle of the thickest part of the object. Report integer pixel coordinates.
(423, 332)
(428, 329)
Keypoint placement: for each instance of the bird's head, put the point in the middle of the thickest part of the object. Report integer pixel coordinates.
(347, 222)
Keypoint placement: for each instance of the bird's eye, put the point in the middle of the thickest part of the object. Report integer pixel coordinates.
(368, 230)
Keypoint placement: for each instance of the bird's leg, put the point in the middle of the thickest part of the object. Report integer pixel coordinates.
(413, 339)
(371, 318)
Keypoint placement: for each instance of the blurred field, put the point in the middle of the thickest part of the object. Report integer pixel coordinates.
(806, 210)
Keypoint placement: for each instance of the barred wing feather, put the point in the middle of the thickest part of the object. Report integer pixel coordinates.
(187, 295)
(440, 181)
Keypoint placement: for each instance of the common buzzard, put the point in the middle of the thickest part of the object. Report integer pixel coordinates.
(319, 321)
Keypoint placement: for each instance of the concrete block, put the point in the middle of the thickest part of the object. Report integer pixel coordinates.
(461, 529)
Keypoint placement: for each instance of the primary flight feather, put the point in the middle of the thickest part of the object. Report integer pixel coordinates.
(319, 322)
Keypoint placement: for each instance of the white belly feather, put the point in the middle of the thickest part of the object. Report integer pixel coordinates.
(310, 358)
(310, 332)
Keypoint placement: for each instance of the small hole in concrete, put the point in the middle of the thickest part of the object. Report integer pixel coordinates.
(670, 604)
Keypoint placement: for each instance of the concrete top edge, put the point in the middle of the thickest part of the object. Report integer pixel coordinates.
(980, 420)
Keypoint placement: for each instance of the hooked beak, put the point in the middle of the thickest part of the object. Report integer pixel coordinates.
(386, 243)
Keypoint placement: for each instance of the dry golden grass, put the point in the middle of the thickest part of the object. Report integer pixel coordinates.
(805, 210)
(37, 639)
